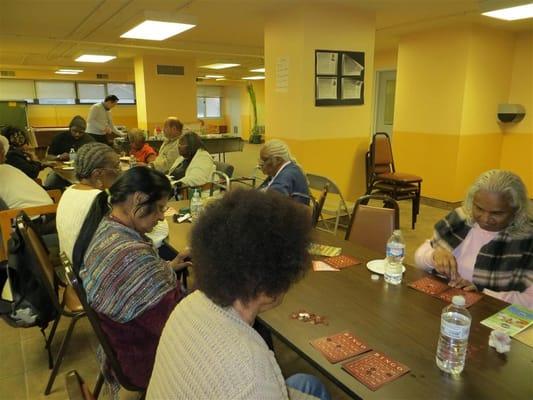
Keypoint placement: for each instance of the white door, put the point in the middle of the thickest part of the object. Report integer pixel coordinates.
(384, 111)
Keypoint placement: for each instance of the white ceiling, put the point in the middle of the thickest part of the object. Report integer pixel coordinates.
(47, 34)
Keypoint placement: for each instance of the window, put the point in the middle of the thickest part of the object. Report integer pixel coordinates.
(91, 92)
(49, 92)
(17, 89)
(208, 102)
(124, 91)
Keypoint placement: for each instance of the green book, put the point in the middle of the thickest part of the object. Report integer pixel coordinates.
(511, 320)
(317, 249)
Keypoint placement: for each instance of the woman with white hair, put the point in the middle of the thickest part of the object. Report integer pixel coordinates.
(487, 244)
(284, 173)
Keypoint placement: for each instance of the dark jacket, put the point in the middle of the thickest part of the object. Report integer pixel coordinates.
(21, 160)
(64, 141)
(291, 182)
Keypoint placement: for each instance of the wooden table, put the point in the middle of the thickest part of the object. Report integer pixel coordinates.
(396, 320)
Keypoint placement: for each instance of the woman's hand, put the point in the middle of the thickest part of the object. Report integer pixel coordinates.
(445, 263)
(179, 263)
(461, 283)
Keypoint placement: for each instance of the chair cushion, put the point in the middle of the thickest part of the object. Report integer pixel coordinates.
(400, 177)
(72, 302)
(391, 187)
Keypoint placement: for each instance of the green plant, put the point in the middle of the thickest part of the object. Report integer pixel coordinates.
(255, 134)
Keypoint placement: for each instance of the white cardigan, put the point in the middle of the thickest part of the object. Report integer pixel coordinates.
(208, 352)
(199, 170)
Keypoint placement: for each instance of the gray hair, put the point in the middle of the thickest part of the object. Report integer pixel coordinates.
(136, 134)
(4, 143)
(514, 191)
(278, 148)
(90, 157)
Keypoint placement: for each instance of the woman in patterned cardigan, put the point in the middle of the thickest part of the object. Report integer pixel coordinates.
(130, 287)
(487, 244)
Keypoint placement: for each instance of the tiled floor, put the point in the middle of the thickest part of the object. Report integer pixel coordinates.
(23, 360)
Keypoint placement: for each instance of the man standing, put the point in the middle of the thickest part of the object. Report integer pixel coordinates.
(169, 150)
(99, 123)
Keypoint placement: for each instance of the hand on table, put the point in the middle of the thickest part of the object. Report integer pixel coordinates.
(445, 263)
(461, 283)
(107, 130)
(63, 157)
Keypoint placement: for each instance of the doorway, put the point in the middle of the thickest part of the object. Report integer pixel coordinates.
(385, 93)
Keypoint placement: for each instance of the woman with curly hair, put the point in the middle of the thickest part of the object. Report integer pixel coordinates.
(487, 244)
(208, 349)
(19, 155)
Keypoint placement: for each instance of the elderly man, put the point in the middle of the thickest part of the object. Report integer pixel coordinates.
(284, 173)
(99, 123)
(74, 138)
(169, 150)
(17, 189)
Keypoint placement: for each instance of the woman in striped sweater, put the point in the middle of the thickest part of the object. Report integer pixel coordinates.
(129, 286)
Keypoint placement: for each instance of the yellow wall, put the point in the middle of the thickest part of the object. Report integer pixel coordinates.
(165, 95)
(447, 95)
(517, 147)
(386, 59)
(329, 141)
(60, 115)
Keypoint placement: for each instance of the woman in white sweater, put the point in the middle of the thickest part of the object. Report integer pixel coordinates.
(208, 349)
(97, 167)
(195, 165)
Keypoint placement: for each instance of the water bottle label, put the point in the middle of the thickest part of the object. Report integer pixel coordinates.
(454, 331)
(395, 251)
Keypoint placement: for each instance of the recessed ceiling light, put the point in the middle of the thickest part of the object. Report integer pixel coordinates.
(219, 66)
(214, 76)
(66, 73)
(254, 78)
(156, 30)
(76, 71)
(512, 13)
(94, 58)
(258, 70)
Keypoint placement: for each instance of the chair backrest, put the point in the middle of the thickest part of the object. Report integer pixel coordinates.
(225, 168)
(372, 226)
(381, 158)
(219, 181)
(77, 284)
(76, 387)
(318, 182)
(319, 204)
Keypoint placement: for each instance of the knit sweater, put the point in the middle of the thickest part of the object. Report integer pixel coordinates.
(208, 352)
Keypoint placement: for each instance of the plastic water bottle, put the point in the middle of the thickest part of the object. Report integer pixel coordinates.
(454, 329)
(395, 254)
(133, 161)
(72, 155)
(196, 205)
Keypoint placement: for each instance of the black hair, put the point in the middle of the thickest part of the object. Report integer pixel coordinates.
(79, 122)
(15, 136)
(112, 98)
(139, 179)
(250, 242)
(193, 142)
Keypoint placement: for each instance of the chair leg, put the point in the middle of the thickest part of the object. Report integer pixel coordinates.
(61, 353)
(98, 385)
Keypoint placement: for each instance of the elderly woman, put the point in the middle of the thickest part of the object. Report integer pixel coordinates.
(487, 244)
(97, 167)
(19, 155)
(284, 173)
(128, 285)
(142, 151)
(209, 349)
(195, 165)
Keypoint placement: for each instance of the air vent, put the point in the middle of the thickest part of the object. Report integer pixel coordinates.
(7, 73)
(102, 76)
(170, 70)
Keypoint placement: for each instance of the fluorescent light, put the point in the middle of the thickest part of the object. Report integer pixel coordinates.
(214, 76)
(219, 66)
(512, 13)
(254, 78)
(258, 70)
(220, 79)
(66, 73)
(94, 58)
(76, 71)
(156, 30)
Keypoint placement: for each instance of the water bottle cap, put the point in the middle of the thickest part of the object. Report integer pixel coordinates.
(458, 300)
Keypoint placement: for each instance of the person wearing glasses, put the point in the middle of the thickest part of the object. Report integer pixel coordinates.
(97, 167)
(74, 138)
(284, 174)
(131, 289)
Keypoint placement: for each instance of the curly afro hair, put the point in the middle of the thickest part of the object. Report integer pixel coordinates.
(248, 243)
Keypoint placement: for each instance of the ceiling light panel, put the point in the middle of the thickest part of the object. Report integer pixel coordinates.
(258, 70)
(214, 76)
(512, 13)
(156, 30)
(94, 58)
(253, 78)
(220, 66)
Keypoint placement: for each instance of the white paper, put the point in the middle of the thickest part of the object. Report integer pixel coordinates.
(282, 74)
(322, 266)
(351, 88)
(326, 63)
(326, 88)
(350, 66)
